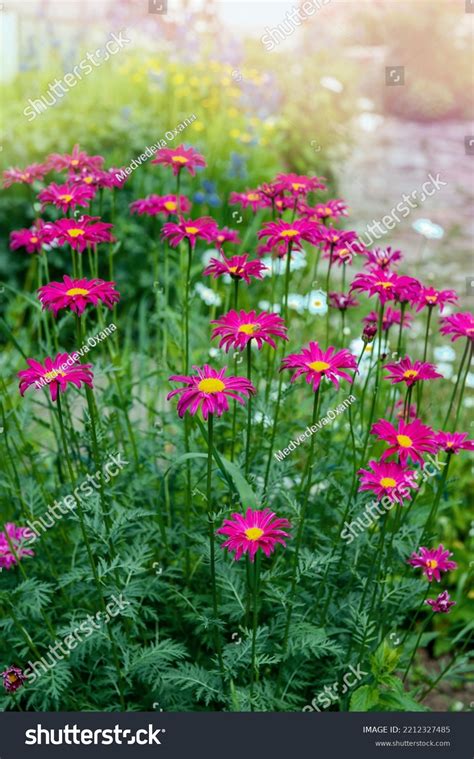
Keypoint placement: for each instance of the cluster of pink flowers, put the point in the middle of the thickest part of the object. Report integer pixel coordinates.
(12, 545)
(85, 175)
(209, 391)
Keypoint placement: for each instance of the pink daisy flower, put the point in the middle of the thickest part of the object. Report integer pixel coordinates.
(387, 479)
(209, 390)
(428, 297)
(76, 161)
(391, 316)
(342, 301)
(79, 233)
(110, 179)
(300, 184)
(323, 211)
(442, 604)
(76, 294)
(99, 177)
(316, 364)
(24, 176)
(16, 537)
(65, 196)
(238, 329)
(180, 158)
(57, 372)
(203, 228)
(386, 284)
(227, 235)
(165, 204)
(257, 529)
(272, 190)
(282, 204)
(288, 232)
(13, 678)
(237, 267)
(33, 239)
(453, 442)
(253, 198)
(408, 440)
(382, 259)
(433, 561)
(330, 238)
(458, 325)
(408, 372)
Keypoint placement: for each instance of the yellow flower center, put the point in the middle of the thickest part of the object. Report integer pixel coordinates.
(33, 239)
(253, 533)
(384, 284)
(319, 366)
(49, 376)
(410, 373)
(388, 482)
(431, 298)
(75, 232)
(289, 233)
(12, 677)
(297, 185)
(77, 291)
(170, 205)
(248, 329)
(327, 211)
(432, 563)
(233, 269)
(74, 162)
(404, 441)
(317, 303)
(66, 197)
(179, 159)
(253, 196)
(211, 385)
(88, 180)
(470, 329)
(191, 230)
(450, 444)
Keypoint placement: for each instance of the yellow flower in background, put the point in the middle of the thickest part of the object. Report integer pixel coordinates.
(198, 126)
(233, 112)
(179, 79)
(235, 133)
(246, 137)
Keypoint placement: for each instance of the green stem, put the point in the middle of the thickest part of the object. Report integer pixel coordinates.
(299, 536)
(463, 386)
(249, 409)
(92, 563)
(377, 383)
(287, 282)
(437, 499)
(423, 628)
(255, 595)
(212, 547)
(461, 366)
